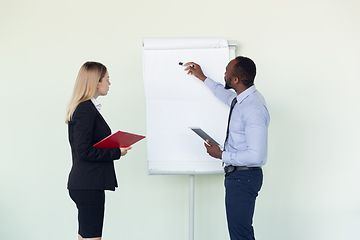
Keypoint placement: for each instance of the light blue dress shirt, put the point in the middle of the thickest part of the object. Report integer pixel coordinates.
(247, 144)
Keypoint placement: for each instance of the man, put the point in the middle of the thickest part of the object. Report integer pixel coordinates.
(245, 150)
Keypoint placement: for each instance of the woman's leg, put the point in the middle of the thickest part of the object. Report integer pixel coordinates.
(80, 238)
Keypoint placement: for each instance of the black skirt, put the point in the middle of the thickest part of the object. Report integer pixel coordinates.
(91, 207)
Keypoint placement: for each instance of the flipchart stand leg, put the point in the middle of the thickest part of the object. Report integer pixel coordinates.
(191, 207)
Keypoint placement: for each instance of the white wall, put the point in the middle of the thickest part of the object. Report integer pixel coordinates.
(307, 56)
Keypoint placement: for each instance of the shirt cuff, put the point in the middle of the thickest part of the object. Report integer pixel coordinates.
(209, 82)
(226, 157)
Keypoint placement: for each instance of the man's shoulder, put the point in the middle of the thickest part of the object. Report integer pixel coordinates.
(254, 105)
(255, 99)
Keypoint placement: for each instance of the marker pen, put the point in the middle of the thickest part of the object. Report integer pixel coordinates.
(182, 64)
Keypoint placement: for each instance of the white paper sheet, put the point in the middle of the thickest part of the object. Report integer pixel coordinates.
(175, 101)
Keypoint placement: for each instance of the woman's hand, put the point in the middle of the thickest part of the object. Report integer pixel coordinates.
(124, 150)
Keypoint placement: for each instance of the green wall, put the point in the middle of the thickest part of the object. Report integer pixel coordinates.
(307, 54)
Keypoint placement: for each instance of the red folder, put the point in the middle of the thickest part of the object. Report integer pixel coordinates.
(119, 139)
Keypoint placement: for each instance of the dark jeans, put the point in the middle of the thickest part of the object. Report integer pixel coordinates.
(242, 188)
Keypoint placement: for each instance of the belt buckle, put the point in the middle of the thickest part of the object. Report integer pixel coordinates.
(229, 169)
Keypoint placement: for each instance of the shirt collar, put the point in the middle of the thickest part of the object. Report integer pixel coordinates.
(245, 93)
(96, 103)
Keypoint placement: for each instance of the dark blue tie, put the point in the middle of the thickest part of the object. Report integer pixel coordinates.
(234, 101)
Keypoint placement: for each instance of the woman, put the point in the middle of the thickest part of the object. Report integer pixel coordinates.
(92, 170)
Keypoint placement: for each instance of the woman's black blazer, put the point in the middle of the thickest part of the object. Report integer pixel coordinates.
(92, 168)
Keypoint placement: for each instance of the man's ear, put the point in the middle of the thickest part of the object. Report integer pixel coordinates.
(236, 80)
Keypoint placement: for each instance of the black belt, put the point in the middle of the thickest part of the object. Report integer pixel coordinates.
(229, 169)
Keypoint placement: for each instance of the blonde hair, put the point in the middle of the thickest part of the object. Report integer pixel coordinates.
(90, 74)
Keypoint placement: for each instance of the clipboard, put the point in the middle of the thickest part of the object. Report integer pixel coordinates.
(118, 139)
(205, 136)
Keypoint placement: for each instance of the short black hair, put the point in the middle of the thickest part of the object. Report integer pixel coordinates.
(245, 70)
